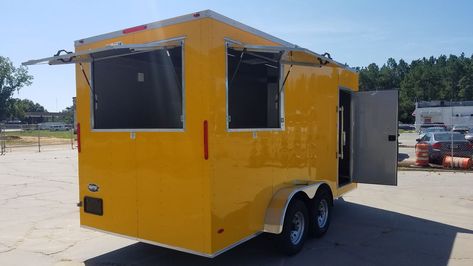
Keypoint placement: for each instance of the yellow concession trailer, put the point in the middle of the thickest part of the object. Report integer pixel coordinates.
(198, 133)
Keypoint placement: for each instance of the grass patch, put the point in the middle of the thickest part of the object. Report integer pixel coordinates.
(41, 133)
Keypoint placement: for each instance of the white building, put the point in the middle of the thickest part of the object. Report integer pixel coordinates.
(449, 113)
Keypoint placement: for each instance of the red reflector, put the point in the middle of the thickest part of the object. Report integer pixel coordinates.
(78, 137)
(133, 29)
(206, 140)
(437, 145)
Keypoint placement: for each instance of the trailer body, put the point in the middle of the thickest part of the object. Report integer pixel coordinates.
(207, 181)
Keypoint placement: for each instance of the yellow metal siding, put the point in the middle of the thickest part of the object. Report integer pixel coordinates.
(248, 168)
(348, 79)
(154, 186)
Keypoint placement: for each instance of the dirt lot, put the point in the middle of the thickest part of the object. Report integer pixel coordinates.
(426, 220)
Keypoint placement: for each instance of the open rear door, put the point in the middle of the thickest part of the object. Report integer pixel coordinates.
(375, 132)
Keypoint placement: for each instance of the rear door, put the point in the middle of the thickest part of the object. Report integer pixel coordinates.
(375, 132)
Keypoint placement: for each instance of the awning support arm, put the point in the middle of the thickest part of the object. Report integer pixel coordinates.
(287, 75)
(85, 76)
(285, 79)
(238, 66)
(168, 55)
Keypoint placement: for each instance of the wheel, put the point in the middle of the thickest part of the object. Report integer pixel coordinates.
(321, 213)
(295, 228)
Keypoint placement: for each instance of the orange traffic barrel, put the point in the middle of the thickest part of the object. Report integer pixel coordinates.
(457, 162)
(422, 154)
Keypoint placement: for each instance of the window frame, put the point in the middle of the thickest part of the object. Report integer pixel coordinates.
(282, 120)
(181, 42)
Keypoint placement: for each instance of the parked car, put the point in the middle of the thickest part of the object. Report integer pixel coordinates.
(461, 129)
(431, 130)
(407, 127)
(58, 128)
(442, 144)
(469, 136)
(424, 126)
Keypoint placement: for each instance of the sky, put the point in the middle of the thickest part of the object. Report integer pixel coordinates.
(354, 32)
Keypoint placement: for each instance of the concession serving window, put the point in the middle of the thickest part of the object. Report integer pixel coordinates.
(256, 78)
(139, 91)
(133, 86)
(254, 98)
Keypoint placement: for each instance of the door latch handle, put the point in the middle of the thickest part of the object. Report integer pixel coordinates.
(391, 137)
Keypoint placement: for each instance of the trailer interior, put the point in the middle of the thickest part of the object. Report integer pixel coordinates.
(253, 89)
(144, 88)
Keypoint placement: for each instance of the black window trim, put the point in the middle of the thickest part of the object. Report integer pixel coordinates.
(133, 130)
(282, 120)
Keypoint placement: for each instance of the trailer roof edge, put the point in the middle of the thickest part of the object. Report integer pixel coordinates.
(185, 18)
(199, 15)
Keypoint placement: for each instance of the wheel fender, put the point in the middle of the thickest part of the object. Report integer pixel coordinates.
(274, 218)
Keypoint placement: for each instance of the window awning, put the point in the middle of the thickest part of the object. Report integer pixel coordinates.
(296, 56)
(102, 53)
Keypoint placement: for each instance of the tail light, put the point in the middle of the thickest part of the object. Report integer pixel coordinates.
(78, 137)
(437, 145)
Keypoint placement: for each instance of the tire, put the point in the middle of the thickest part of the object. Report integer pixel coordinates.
(320, 213)
(295, 228)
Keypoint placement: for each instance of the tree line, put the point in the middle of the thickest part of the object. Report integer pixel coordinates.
(17, 108)
(426, 79)
(13, 79)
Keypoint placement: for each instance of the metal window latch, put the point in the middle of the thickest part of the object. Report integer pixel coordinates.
(182, 118)
(229, 119)
(282, 119)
